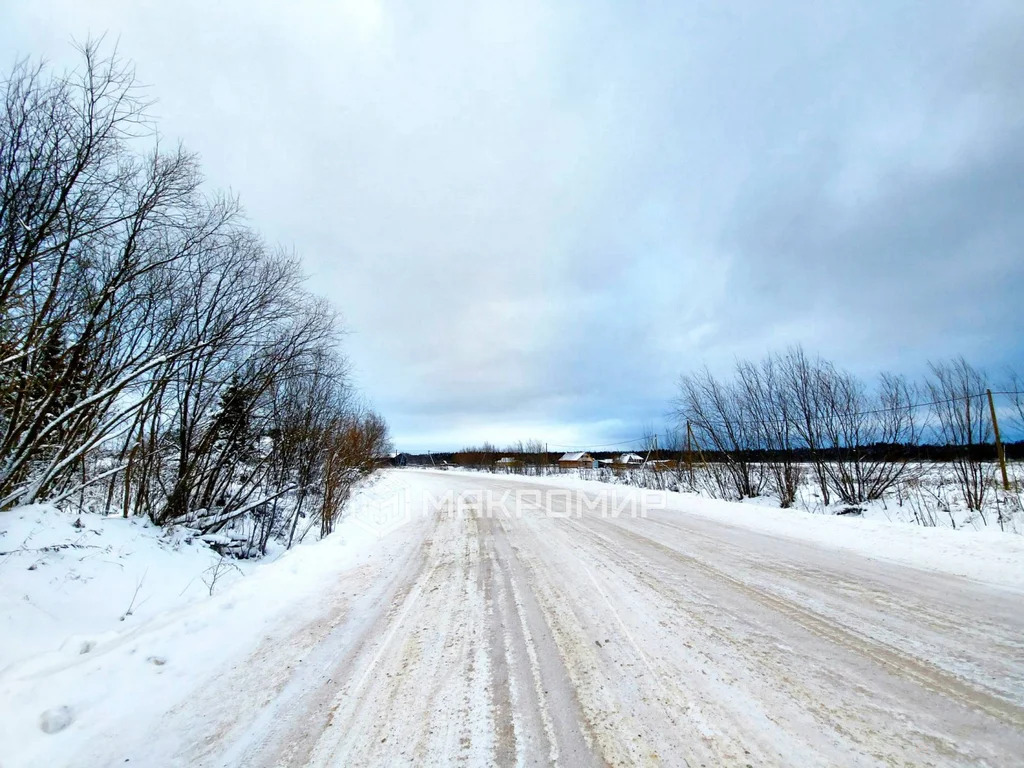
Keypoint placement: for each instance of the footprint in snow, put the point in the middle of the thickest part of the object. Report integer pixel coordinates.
(56, 719)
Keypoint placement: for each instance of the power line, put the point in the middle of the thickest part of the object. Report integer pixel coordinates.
(746, 422)
(704, 423)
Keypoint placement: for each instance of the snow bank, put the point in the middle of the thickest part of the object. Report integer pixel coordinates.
(68, 580)
(52, 702)
(986, 555)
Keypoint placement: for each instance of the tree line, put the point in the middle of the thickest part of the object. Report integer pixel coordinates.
(531, 452)
(156, 356)
(788, 414)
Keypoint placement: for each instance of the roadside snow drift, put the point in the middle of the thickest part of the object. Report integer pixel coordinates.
(72, 579)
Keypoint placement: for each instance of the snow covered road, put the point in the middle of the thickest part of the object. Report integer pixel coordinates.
(500, 621)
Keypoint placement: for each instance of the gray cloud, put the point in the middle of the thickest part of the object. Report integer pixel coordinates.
(534, 216)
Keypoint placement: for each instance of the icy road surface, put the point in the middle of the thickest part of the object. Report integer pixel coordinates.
(525, 627)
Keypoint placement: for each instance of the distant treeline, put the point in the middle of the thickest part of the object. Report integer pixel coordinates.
(924, 452)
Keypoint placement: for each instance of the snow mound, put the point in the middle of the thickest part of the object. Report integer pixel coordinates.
(69, 580)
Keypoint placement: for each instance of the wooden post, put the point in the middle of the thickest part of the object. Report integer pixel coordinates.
(999, 443)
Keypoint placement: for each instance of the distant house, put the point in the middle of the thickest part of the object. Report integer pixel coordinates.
(392, 459)
(577, 460)
(506, 462)
(629, 460)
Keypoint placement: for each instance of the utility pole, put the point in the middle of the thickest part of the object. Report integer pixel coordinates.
(651, 446)
(999, 443)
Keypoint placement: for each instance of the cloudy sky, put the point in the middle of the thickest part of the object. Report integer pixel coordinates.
(535, 216)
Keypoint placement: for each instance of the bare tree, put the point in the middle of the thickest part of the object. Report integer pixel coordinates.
(758, 424)
(720, 416)
(801, 378)
(770, 411)
(1015, 388)
(865, 432)
(957, 389)
(151, 345)
(354, 446)
(84, 230)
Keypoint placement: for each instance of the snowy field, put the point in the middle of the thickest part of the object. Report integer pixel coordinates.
(927, 493)
(477, 619)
